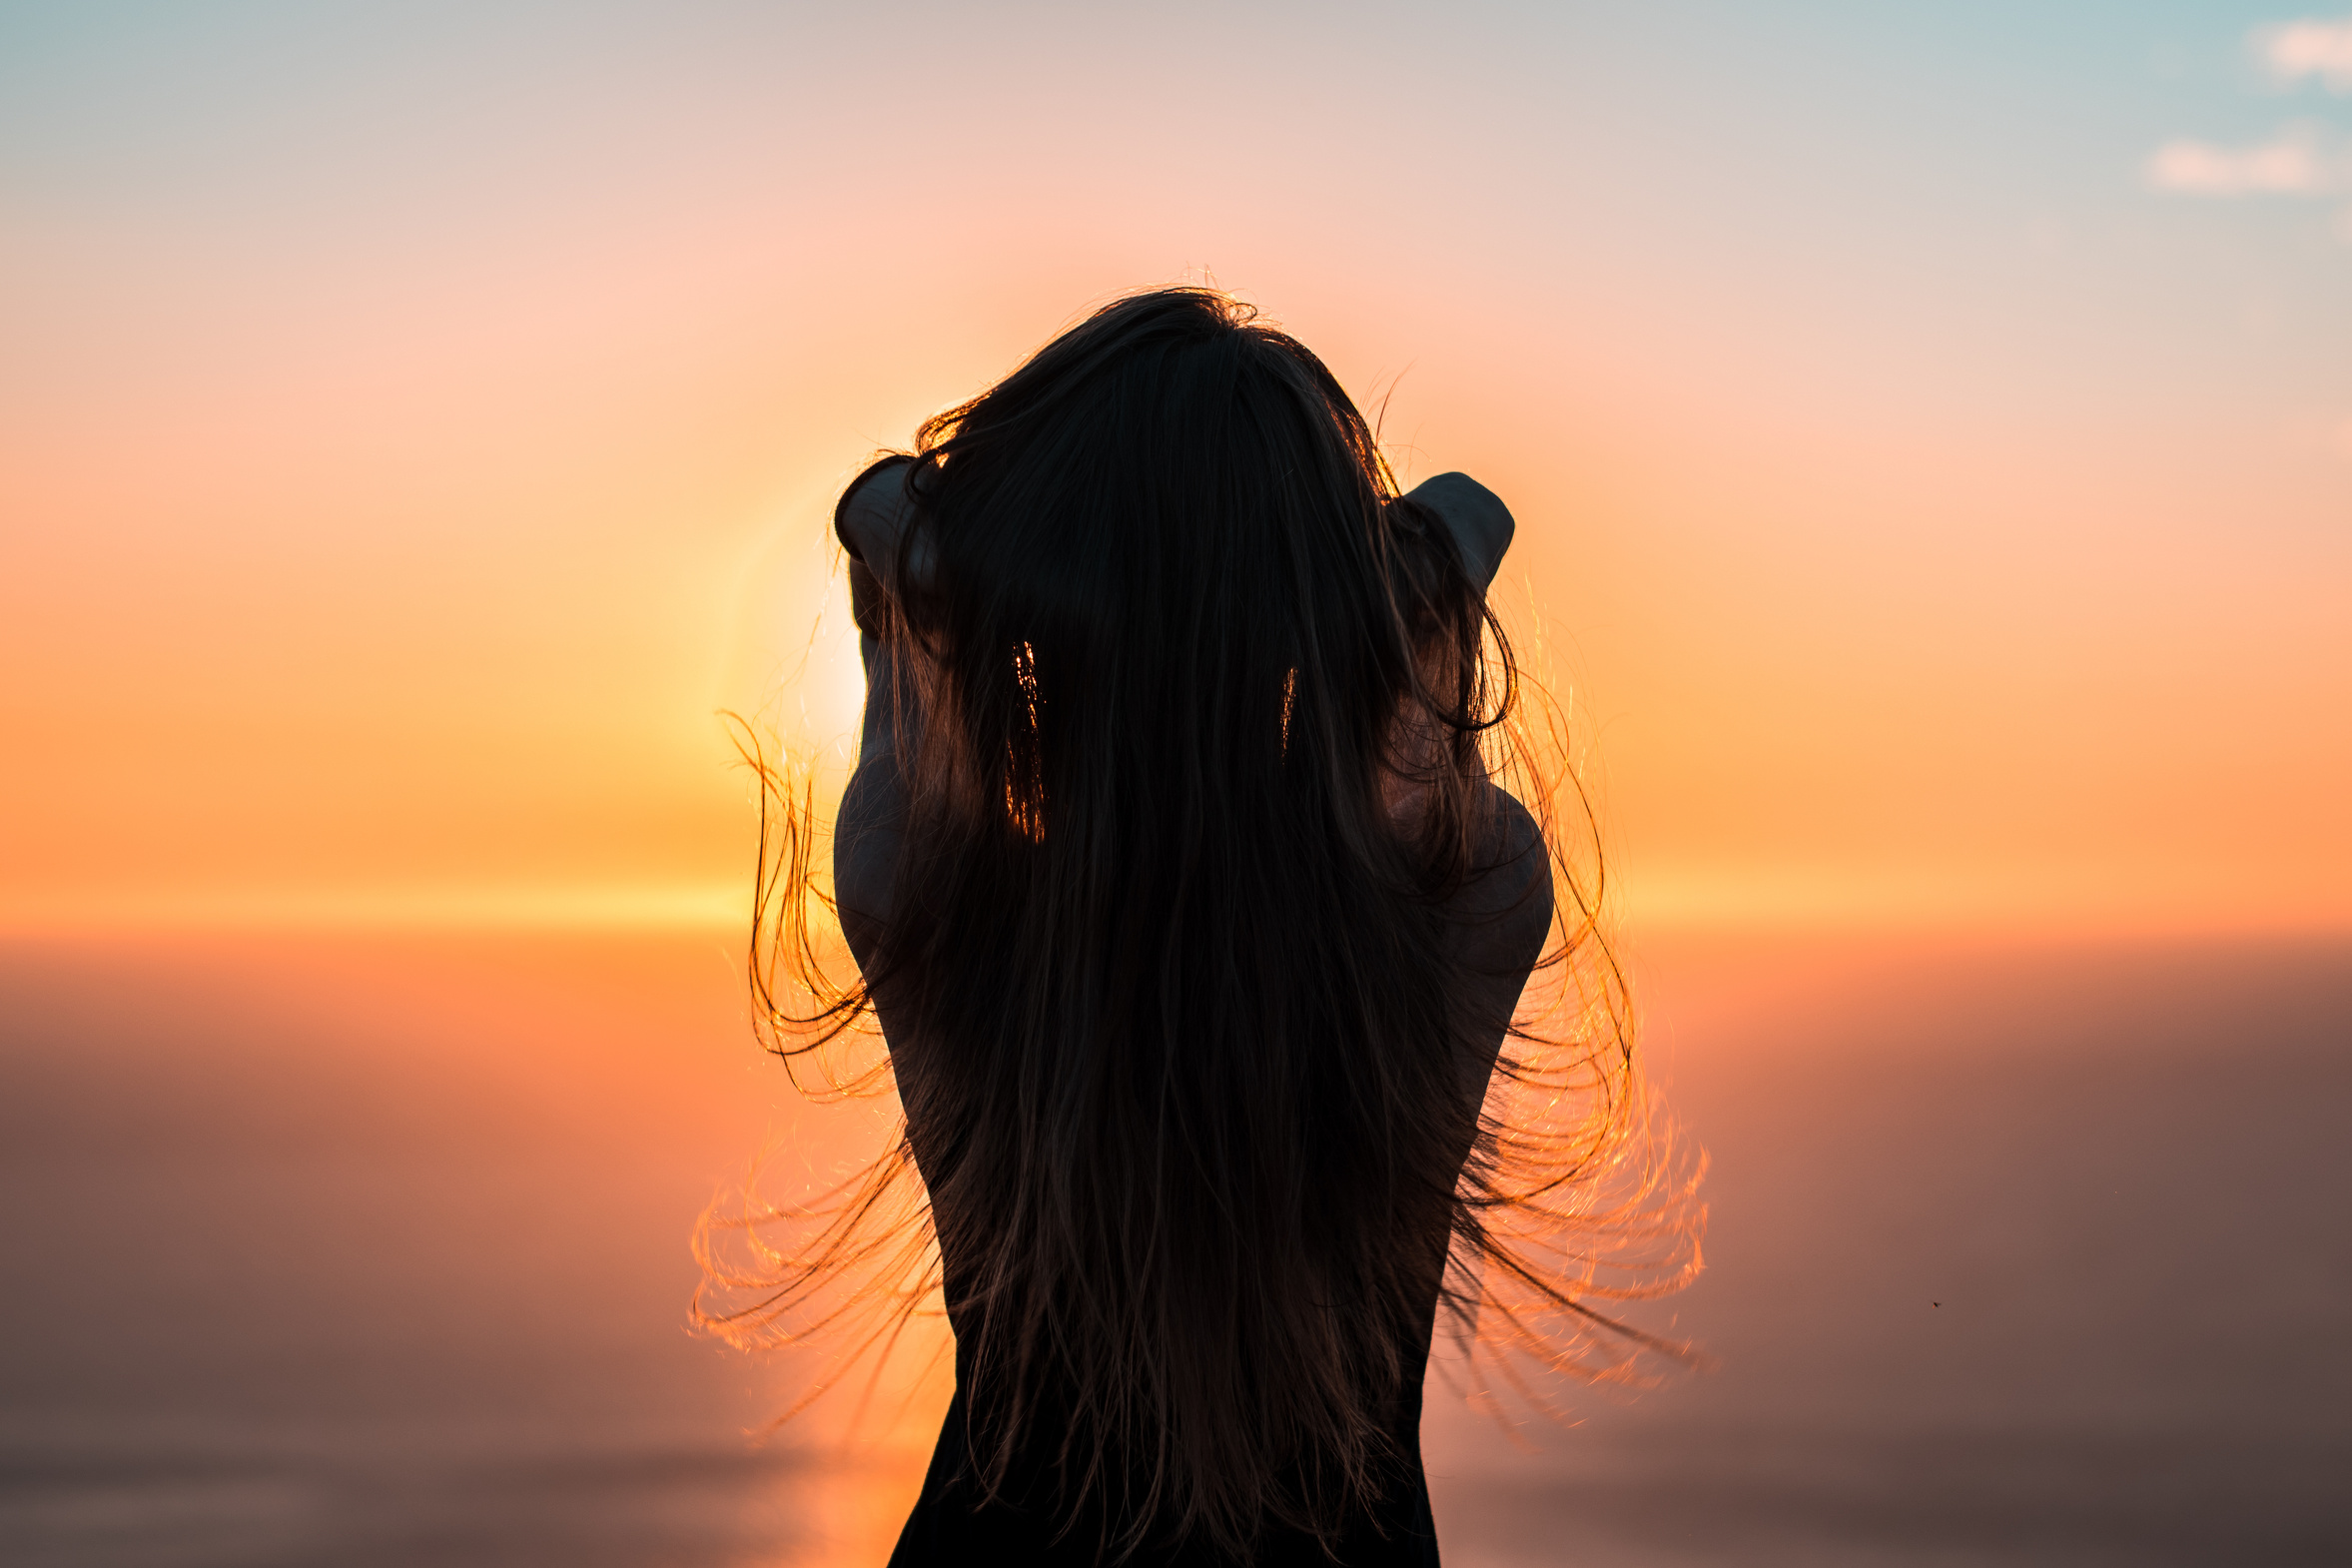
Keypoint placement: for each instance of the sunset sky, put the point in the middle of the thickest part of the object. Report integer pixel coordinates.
(1930, 425)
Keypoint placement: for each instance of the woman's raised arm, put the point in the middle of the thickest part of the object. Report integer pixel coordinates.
(1476, 518)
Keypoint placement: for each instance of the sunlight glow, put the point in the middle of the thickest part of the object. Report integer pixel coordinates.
(649, 907)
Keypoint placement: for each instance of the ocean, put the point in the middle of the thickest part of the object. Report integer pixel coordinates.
(365, 1249)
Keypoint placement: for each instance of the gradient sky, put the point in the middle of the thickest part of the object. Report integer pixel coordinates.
(1931, 426)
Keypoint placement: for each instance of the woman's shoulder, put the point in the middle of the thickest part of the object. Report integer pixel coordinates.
(1504, 906)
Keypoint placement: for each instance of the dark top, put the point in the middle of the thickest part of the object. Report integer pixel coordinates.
(1501, 919)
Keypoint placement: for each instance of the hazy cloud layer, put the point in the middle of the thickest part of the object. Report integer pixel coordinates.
(2309, 47)
(2296, 162)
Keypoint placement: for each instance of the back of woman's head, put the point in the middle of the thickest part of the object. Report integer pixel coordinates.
(1164, 598)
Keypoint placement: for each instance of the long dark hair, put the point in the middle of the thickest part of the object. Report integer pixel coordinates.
(1200, 724)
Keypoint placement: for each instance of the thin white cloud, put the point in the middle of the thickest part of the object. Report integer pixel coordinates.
(2309, 47)
(2293, 162)
(2307, 160)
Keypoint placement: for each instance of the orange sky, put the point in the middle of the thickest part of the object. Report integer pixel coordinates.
(411, 431)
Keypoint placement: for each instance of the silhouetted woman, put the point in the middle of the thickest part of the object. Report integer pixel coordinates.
(1194, 923)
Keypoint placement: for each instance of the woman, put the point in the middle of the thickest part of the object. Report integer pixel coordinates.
(1195, 922)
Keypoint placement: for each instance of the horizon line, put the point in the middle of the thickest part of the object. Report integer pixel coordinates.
(1729, 902)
